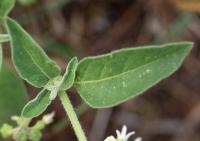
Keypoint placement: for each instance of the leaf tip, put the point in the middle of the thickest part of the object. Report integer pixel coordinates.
(189, 44)
(74, 59)
(6, 7)
(185, 46)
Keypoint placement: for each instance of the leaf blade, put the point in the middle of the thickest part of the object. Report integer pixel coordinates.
(37, 105)
(30, 60)
(1, 57)
(69, 76)
(126, 73)
(12, 100)
(5, 7)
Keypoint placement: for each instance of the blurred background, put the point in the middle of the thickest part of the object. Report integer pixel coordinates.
(170, 111)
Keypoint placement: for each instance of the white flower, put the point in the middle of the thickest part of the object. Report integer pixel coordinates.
(122, 136)
(110, 138)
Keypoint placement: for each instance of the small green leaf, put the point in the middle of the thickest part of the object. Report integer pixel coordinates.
(30, 60)
(6, 130)
(4, 38)
(13, 95)
(5, 7)
(38, 105)
(21, 135)
(1, 57)
(111, 79)
(35, 135)
(65, 82)
(69, 76)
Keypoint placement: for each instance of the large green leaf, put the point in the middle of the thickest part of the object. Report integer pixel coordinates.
(5, 7)
(111, 79)
(13, 95)
(30, 60)
(1, 57)
(38, 105)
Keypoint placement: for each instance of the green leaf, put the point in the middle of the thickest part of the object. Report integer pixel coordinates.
(69, 76)
(35, 135)
(65, 82)
(6, 130)
(13, 95)
(5, 7)
(30, 60)
(1, 57)
(4, 38)
(111, 79)
(38, 105)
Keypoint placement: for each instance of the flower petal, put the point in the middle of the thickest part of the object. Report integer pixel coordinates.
(129, 135)
(124, 130)
(118, 134)
(138, 139)
(110, 138)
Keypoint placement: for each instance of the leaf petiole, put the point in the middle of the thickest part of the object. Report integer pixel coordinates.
(72, 116)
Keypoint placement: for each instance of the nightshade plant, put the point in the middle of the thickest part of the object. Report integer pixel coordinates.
(102, 81)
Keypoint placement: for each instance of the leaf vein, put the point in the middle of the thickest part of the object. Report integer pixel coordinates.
(115, 76)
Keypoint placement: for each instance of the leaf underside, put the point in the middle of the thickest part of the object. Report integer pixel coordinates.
(5, 7)
(1, 57)
(108, 80)
(13, 95)
(38, 105)
(30, 60)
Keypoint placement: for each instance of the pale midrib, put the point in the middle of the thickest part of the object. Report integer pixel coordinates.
(115, 76)
(32, 58)
(9, 29)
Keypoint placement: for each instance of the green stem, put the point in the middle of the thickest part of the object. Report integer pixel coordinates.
(72, 116)
(58, 127)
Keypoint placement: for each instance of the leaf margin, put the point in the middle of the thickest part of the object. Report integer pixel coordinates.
(26, 109)
(35, 44)
(189, 46)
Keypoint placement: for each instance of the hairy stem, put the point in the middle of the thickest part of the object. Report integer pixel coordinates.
(58, 127)
(72, 116)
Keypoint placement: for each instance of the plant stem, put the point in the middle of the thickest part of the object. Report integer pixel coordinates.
(72, 116)
(58, 127)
